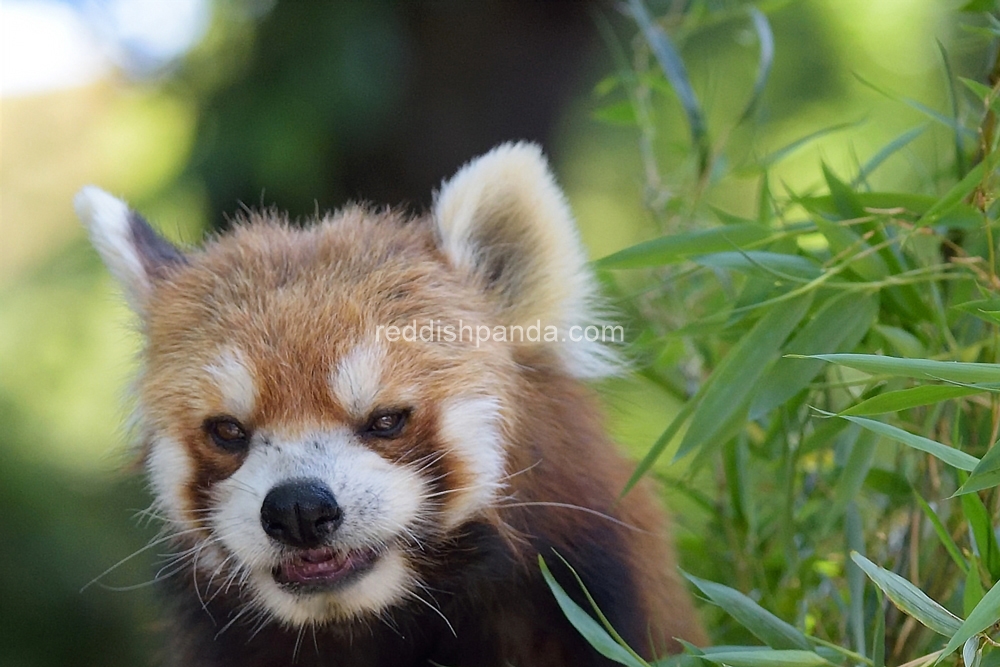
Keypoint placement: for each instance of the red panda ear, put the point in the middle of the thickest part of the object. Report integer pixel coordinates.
(134, 253)
(503, 219)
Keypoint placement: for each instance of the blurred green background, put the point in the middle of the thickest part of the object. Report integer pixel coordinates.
(192, 108)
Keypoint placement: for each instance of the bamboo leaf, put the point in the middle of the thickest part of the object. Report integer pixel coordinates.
(943, 535)
(852, 475)
(780, 154)
(766, 40)
(949, 455)
(673, 68)
(910, 599)
(904, 399)
(986, 613)
(736, 377)
(840, 324)
(585, 624)
(985, 475)
(958, 192)
(972, 592)
(766, 658)
(921, 369)
(764, 625)
(768, 264)
(670, 249)
(884, 154)
(978, 518)
(922, 108)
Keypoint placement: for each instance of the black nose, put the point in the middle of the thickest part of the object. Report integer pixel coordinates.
(300, 513)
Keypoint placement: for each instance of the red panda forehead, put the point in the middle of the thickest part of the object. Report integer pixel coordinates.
(290, 325)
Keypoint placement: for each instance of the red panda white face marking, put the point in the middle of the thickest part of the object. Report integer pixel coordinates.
(471, 430)
(356, 380)
(314, 473)
(235, 382)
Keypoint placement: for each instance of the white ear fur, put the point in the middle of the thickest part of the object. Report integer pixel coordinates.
(504, 219)
(129, 247)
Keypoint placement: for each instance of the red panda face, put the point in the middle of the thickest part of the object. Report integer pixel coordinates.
(306, 450)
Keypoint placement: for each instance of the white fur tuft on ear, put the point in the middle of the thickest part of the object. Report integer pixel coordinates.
(131, 250)
(503, 219)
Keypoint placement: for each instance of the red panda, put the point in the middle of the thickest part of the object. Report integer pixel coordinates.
(339, 490)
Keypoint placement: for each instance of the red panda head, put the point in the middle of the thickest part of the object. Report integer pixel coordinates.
(308, 448)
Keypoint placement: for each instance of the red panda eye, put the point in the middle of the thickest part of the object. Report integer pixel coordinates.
(227, 433)
(387, 424)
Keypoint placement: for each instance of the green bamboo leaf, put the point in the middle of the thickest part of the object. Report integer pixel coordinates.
(764, 625)
(855, 539)
(844, 198)
(902, 341)
(986, 613)
(780, 154)
(985, 475)
(736, 377)
(985, 94)
(973, 592)
(619, 113)
(766, 658)
(978, 518)
(767, 264)
(950, 123)
(675, 71)
(766, 40)
(943, 535)
(953, 95)
(585, 624)
(852, 475)
(921, 369)
(839, 324)
(878, 637)
(910, 599)
(958, 192)
(884, 154)
(661, 443)
(904, 399)
(674, 248)
(870, 266)
(987, 310)
(950, 455)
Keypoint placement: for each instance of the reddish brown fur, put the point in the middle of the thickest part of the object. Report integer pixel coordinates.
(296, 301)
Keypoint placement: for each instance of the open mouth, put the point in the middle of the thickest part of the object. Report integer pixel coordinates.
(323, 567)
